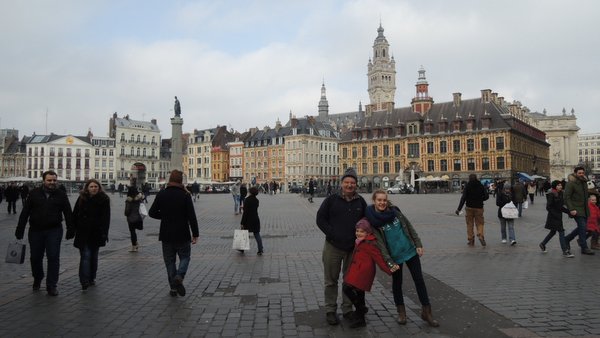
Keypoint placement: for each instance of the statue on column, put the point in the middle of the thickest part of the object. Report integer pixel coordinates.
(177, 107)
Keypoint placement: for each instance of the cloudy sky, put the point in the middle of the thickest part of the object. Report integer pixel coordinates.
(248, 63)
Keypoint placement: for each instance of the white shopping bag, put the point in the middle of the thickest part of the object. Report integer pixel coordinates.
(241, 240)
(143, 210)
(525, 204)
(509, 211)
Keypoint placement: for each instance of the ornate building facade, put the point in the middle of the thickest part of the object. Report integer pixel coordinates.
(561, 133)
(447, 140)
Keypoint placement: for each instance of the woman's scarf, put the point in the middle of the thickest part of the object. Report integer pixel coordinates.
(379, 218)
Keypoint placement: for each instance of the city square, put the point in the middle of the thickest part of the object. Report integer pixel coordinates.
(493, 291)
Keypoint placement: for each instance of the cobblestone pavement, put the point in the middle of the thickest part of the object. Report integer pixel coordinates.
(496, 291)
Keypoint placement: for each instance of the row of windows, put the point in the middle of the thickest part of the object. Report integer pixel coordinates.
(139, 138)
(457, 165)
(33, 151)
(414, 148)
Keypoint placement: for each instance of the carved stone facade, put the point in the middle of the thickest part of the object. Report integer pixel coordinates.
(561, 133)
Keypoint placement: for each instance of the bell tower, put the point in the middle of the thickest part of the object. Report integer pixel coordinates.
(381, 76)
(422, 102)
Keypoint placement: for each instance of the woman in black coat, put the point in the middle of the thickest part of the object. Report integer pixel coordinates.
(250, 220)
(555, 205)
(92, 220)
(134, 218)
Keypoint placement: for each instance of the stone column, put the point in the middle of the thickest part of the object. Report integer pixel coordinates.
(176, 143)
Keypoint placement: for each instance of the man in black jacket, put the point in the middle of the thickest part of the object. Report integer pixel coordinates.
(12, 195)
(175, 209)
(337, 218)
(473, 195)
(45, 208)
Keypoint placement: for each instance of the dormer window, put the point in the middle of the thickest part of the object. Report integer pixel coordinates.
(413, 129)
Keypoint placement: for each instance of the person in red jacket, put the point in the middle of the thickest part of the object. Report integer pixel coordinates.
(361, 272)
(593, 229)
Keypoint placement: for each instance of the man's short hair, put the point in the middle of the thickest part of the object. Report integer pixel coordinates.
(578, 168)
(48, 172)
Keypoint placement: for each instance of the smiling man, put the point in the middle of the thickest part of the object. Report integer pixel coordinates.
(45, 208)
(337, 218)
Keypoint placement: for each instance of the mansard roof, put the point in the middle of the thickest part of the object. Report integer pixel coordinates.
(52, 137)
(475, 110)
(126, 122)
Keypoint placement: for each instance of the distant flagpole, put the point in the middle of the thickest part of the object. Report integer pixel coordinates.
(46, 123)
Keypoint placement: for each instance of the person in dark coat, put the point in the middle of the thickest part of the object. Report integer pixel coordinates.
(91, 216)
(336, 218)
(555, 205)
(474, 194)
(12, 195)
(243, 194)
(45, 209)
(504, 197)
(134, 218)
(311, 190)
(250, 220)
(175, 210)
(24, 190)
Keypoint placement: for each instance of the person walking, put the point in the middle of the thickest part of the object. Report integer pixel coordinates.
(555, 205)
(473, 196)
(250, 220)
(576, 199)
(174, 207)
(11, 193)
(337, 217)
(503, 198)
(243, 194)
(45, 209)
(531, 188)
(400, 244)
(134, 218)
(24, 191)
(361, 272)
(235, 193)
(519, 196)
(311, 190)
(593, 229)
(91, 218)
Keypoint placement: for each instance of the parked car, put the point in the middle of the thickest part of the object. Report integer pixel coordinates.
(394, 190)
(295, 189)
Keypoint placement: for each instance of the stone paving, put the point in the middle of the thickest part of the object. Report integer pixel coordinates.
(496, 291)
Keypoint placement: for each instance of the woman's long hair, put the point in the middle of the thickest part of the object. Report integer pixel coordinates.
(84, 194)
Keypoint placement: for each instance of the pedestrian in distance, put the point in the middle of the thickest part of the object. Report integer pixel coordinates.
(503, 198)
(519, 193)
(11, 193)
(400, 244)
(235, 194)
(91, 218)
(45, 209)
(311, 190)
(531, 189)
(576, 199)
(337, 217)
(593, 229)
(361, 272)
(473, 195)
(243, 194)
(174, 207)
(24, 191)
(134, 218)
(250, 220)
(555, 205)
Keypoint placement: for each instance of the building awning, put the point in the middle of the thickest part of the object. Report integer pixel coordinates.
(524, 176)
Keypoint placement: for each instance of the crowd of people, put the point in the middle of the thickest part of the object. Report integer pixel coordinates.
(359, 236)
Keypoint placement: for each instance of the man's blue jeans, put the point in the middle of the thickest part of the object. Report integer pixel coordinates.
(579, 231)
(88, 264)
(48, 242)
(170, 253)
(236, 203)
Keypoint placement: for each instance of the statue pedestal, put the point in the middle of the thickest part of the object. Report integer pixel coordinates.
(176, 143)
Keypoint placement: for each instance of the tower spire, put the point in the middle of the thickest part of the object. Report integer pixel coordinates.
(381, 76)
(422, 102)
(323, 104)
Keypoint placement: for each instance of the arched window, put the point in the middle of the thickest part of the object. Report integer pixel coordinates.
(122, 137)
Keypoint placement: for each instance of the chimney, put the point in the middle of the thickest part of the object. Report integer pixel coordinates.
(456, 99)
(153, 121)
(253, 131)
(513, 108)
(501, 101)
(495, 97)
(485, 95)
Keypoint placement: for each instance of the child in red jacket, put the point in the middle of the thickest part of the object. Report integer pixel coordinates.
(593, 229)
(361, 272)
